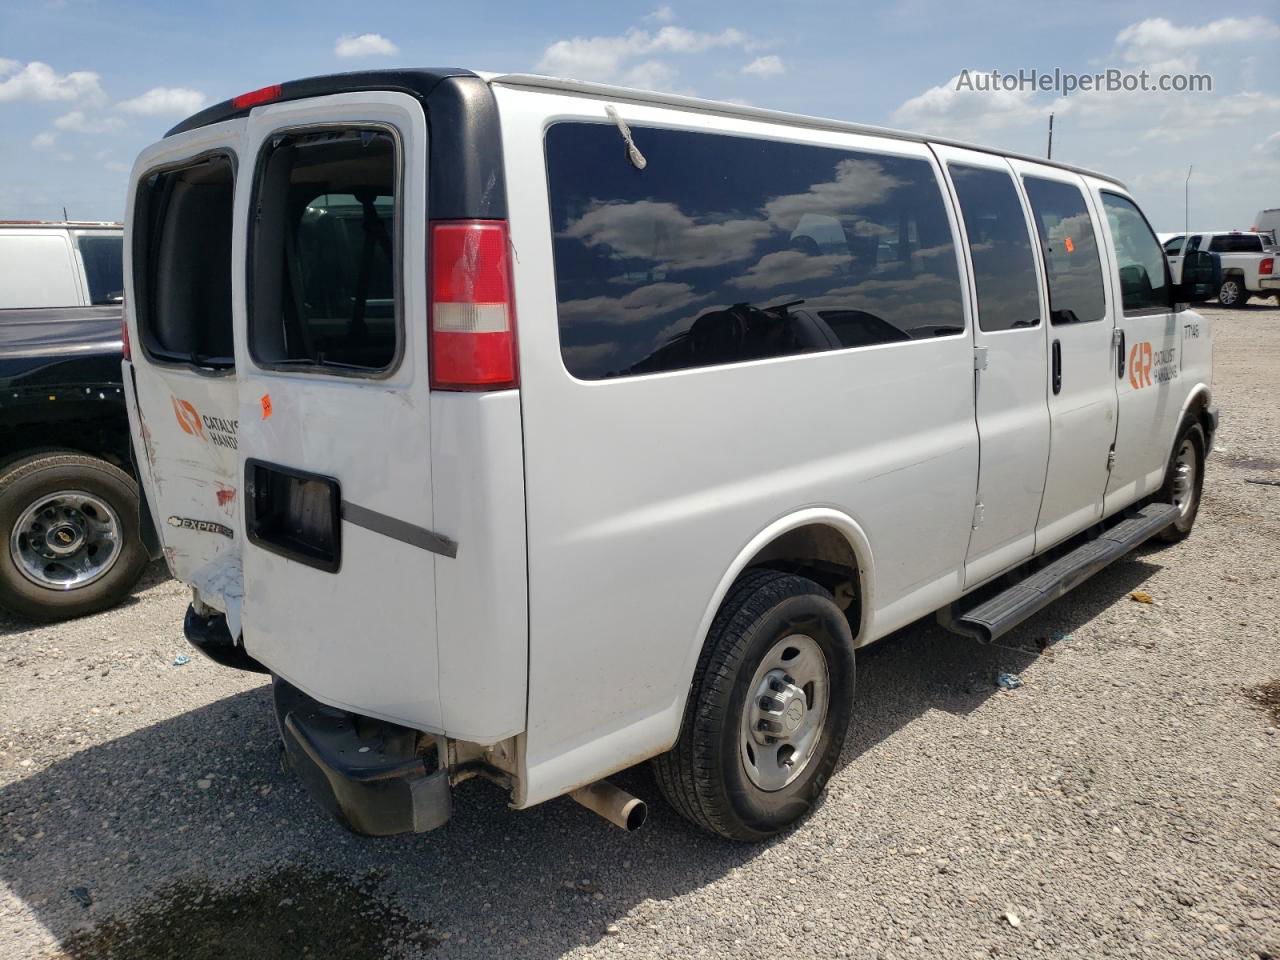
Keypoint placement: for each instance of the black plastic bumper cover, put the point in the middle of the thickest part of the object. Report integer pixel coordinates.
(365, 772)
(211, 637)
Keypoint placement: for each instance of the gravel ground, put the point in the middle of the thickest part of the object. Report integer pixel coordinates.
(1124, 802)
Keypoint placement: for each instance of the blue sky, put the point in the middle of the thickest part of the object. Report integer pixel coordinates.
(86, 84)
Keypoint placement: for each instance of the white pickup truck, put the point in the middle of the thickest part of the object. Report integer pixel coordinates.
(1248, 263)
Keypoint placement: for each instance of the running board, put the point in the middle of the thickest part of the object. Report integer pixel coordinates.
(998, 615)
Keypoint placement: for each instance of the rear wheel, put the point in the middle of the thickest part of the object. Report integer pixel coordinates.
(1232, 293)
(1184, 480)
(767, 712)
(70, 536)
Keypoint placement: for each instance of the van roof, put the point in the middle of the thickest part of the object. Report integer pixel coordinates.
(420, 83)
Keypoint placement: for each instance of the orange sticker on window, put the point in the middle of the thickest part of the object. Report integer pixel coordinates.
(266, 405)
(1071, 247)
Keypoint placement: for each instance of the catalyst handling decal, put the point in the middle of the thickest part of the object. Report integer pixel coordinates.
(1148, 366)
(202, 526)
(215, 430)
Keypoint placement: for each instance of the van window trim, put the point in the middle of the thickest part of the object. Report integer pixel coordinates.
(141, 304)
(399, 226)
(927, 156)
(1168, 274)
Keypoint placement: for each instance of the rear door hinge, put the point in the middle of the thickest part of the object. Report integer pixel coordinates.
(979, 358)
(979, 514)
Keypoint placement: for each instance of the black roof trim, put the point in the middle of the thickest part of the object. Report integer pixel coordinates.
(466, 179)
(418, 83)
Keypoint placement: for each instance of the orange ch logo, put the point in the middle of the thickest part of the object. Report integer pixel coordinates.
(1140, 365)
(188, 419)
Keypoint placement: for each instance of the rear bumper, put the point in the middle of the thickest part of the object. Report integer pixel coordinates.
(369, 774)
(1270, 284)
(211, 637)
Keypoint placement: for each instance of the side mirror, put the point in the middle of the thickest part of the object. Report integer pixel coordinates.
(1201, 278)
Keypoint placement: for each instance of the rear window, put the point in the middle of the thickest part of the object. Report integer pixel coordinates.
(324, 290)
(102, 267)
(1236, 243)
(727, 249)
(182, 263)
(1070, 251)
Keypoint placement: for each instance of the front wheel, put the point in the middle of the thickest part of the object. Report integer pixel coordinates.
(1184, 480)
(70, 536)
(767, 712)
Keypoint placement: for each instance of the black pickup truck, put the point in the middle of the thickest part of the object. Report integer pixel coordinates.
(71, 534)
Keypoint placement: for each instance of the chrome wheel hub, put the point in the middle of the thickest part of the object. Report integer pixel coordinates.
(783, 719)
(1229, 293)
(66, 540)
(1184, 478)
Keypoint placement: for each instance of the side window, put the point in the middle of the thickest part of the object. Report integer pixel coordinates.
(1173, 247)
(1004, 265)
(102, 266)
(324, 285)
(1144, 273)
(1070, 251)
(182, 263)
(727, 248)
(1194, 243)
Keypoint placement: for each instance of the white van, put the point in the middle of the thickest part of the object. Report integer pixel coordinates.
(529, 429)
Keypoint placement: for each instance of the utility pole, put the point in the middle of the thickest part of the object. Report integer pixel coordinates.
(1049, 156)
(1186, 206)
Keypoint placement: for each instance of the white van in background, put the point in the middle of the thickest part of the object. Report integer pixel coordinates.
(529, 429)
(1267, 222)
(62, 264)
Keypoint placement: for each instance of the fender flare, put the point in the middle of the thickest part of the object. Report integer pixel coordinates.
(807, 516)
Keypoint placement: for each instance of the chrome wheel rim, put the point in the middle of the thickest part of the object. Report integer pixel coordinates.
(1229, 293)
(1184, 478)
(66, 540)
(785, 712)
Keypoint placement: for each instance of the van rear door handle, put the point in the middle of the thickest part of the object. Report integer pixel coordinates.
(1057, 366)
(1120, 356)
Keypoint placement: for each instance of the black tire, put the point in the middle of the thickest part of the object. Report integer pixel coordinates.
(1190, 432)
(704, 776)
(23, 483)
(1232, 294)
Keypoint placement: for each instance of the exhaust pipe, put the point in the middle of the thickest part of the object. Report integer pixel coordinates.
(614, 804)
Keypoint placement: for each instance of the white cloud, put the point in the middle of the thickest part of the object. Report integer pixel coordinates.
(365, 45)
(663, 14)
(162, 101)
(45, 141)
(40, 82)
(946, 110)
(630, 57)
(1157, 39)
(77, 121)
(767, 66)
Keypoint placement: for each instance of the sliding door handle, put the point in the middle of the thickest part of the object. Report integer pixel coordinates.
(1120, 357)
(1057, 366)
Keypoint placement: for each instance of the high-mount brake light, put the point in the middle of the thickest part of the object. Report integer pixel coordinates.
(472, 314)
(255, 97)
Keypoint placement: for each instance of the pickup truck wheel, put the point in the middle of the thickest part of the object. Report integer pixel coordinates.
(1184, 481)
(70, 543)
(768, 710)
(1232, 293)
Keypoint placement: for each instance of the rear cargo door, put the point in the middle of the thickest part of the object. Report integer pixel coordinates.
(334, 403)
(181, 382)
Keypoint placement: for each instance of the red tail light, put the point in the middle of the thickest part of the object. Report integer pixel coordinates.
(255, 97)
(473, 317)
(1266, 266)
